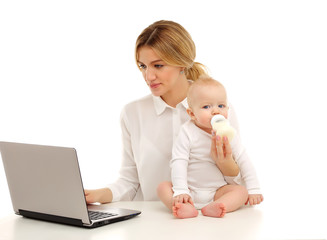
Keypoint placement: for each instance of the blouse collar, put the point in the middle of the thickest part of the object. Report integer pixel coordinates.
(160, 105)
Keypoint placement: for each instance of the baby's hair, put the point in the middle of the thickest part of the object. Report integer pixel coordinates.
(203, 80)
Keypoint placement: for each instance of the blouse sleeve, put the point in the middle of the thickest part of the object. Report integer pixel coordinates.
(126, 186)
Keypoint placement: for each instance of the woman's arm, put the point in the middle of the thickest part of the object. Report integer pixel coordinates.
(125, 187)
(221, 153)
(127, 184)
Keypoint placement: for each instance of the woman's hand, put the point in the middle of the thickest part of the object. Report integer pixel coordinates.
(103, 195)
(183, 198)
(221, 153)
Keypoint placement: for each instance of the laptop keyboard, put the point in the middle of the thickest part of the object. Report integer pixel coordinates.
(100, 215)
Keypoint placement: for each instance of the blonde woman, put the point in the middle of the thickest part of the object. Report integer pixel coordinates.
(165, 54)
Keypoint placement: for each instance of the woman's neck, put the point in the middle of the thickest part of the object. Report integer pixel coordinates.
(177, 94)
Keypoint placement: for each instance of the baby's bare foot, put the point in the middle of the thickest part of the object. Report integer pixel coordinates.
(184, 210)
(214, 209)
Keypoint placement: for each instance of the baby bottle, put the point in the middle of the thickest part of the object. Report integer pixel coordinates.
(222, 127)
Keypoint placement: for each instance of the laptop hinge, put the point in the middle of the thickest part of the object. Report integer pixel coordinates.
(51, 218)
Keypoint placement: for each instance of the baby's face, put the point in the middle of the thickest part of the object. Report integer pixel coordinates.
(207, 101)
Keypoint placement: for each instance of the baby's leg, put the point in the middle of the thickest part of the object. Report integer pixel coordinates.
(165, 194)
(180, 210)
(214, 209)
(227, 199)
(184, 210)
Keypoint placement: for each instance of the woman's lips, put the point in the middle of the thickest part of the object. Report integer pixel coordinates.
(154, 85)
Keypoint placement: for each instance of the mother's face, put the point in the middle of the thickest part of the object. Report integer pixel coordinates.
(159, 76)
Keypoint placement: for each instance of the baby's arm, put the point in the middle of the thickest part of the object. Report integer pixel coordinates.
(251, 181)
(179, 164)
(183, 198)
(248, 173)
(254, 199)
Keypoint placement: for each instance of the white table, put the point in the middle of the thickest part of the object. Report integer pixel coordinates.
(155, 222)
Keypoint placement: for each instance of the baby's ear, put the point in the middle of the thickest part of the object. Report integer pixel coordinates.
(190, 113)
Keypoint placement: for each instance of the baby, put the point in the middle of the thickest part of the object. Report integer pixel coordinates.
(197, 181)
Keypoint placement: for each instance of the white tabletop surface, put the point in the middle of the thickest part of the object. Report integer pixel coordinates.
(265, 221)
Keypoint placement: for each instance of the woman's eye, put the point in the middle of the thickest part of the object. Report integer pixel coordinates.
(158, 66)
(142, 66)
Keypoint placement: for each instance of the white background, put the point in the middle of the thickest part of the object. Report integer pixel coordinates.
(67, 68)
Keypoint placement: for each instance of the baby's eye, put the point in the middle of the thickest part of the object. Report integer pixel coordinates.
(206, 107)
(221, 105)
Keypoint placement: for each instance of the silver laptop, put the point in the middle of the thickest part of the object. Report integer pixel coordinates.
(45, 183)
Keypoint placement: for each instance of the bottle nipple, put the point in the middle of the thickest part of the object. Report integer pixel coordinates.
(217, 118)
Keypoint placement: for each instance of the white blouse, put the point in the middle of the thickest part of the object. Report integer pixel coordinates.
(149, 127)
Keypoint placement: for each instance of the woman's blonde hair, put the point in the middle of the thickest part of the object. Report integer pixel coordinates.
(173, 44)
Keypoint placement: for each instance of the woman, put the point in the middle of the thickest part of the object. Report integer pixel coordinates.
(165, 54)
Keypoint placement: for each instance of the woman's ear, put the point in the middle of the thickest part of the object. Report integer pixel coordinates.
(190, 113)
